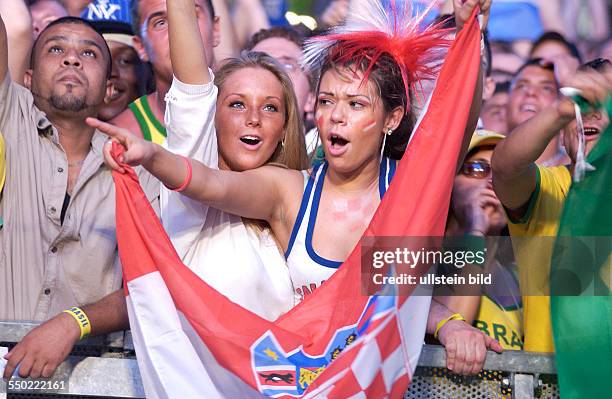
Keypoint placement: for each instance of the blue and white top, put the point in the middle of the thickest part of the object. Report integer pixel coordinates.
(307, 269)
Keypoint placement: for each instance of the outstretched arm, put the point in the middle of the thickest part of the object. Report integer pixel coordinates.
(255, 194)
(189, 62)
(16, 35)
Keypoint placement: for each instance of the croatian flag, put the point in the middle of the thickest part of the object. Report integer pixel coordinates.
(191, 341)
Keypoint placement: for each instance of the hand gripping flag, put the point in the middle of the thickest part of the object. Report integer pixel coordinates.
(191, 341)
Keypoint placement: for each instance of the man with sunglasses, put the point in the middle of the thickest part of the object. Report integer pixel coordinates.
(534, 195)
(476, 211)
(475, 205)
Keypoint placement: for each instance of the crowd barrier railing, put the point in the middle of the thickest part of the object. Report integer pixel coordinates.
(106, 367)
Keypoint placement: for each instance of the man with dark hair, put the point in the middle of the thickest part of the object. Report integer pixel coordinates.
(534, 195)
(533, 89)
(59, 248)
(149, 22)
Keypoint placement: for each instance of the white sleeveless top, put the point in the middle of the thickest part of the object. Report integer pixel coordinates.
(307, 269)
(241, 263)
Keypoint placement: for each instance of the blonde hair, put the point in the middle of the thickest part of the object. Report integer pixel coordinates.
(292, 152)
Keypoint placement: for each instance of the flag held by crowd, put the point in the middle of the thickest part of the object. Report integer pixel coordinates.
(191, 341)
(581, 280)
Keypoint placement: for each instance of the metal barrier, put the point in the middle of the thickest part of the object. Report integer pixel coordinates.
(105, 367)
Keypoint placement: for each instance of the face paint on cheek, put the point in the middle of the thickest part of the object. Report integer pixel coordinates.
(369, 125)
(319, 122)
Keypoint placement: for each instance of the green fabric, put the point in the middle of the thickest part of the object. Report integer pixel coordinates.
(318, 156)
(582, 322)
(144, 126)
(151, 116)
(301, 7)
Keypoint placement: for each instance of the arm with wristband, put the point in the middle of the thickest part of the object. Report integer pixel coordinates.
(44, 348)
(465, 345)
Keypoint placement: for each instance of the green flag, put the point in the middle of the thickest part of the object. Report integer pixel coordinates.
(581, 301)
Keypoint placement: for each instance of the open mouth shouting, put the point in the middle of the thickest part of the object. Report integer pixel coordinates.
(251, 142)
(591, 133)
(337, 145)
(528, 108)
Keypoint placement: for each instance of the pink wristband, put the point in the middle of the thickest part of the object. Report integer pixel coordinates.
(187, 178)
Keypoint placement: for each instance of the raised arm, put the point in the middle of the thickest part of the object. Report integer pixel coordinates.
(16, 35)
(514, 168)
(189, 119)
(187, 53)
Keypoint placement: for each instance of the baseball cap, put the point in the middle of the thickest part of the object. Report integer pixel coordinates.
(482, 137)
(112, 19)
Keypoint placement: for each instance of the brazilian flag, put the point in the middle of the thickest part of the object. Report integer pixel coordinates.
(581, 301)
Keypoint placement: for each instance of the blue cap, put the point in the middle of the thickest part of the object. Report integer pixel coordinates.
(108, 10)
(109, 16)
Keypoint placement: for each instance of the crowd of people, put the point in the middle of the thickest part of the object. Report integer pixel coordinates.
(255, 161)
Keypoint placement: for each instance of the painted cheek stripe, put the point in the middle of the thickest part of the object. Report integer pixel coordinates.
(320, 122)
(370, 125)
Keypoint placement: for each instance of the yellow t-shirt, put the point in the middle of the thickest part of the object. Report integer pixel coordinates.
(499, 314)
(504, 325)
(152, 129)
(533, 253)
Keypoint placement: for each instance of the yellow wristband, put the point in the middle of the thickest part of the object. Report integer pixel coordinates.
(81, 319)
(442, 322)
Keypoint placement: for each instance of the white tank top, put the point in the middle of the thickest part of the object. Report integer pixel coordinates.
(307, 269)
(240, 262)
